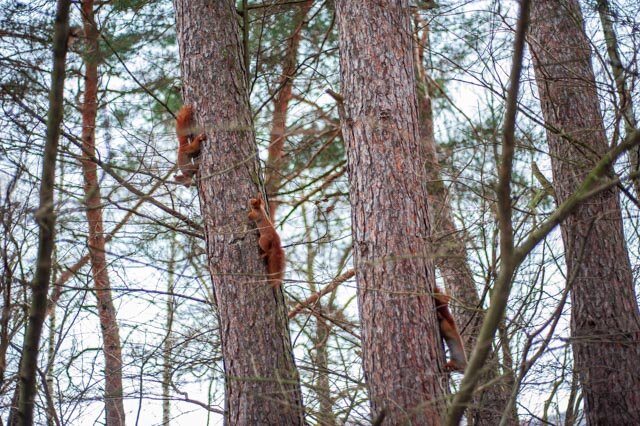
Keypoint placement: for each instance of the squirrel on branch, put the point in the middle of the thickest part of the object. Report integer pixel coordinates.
(188, 145)
(449, 332)
(269, 241)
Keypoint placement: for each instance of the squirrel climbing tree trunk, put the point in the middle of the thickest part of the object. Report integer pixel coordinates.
(451, 257)
(262, 384)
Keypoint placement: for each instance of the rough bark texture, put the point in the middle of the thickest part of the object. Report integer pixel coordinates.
(451, 260)
(402, 354)
(262, 384)
(274, 169)
(605, 321)
(114, 409)
(46, 219)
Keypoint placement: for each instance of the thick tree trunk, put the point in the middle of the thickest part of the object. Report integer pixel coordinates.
(262, 384)
(402, 353)
(114, 408)
(451, 260)
(46, 225)
(605, 321)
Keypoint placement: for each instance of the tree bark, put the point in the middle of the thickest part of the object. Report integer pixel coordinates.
(402, 353)
(46, 223)
(605, 320)
(114, 408)
(262, 384)
(451, 260)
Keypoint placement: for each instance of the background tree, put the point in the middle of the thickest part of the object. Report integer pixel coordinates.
(625, 104)
(114, 409)
(451, 255)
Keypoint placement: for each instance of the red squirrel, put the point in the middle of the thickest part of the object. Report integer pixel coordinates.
(269, 241)
(449, 332)
(188, 145)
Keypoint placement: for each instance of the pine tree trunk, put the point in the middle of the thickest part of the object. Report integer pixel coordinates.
(26, 389)
(262, 384)
(605, 321)
(402, 353)
(114, 409)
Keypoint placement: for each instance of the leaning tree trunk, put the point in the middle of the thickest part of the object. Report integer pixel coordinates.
(262, 384)
(114, 408)
(402, 354)
(625, 100)
(275, 167)
(605, 323)
(46, 219)
(452, 262)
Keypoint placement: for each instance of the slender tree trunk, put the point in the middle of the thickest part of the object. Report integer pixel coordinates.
(51, 352)
(275, 164)
(46, 223)
(605, 323)
(326, 416)
(402, 354)
(96, 240)
(262, 384)
(625, 101)
(451, 260)
(7, 306)
(320, 337)
(51, 341)
(167, 347)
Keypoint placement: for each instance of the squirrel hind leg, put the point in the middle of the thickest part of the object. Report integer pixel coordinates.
(193, 149)
(453, 365)
(184, 179)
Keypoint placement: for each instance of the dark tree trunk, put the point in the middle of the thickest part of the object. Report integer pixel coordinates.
(402, 353)
(46, 224)
(262, 384)
(114, 408)
(605, 321)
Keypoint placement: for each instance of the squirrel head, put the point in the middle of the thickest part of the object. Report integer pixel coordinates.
(256, 205)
